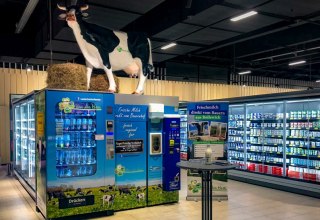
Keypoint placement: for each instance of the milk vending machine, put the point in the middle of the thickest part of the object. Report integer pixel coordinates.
(102, 152)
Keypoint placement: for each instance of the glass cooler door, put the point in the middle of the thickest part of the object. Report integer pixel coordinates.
(76, 151)
(237, 135)
(17, 137)
(303, 140)
(264, 151)
(24, 140)
(183, 134)
(31, 144)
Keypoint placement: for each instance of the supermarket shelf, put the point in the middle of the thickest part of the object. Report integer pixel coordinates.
(267, 128)
(233, 149)
(296, 138)
(75, 148)
(309, 129)
(266, 152)
(305, 147)
(236, 158)
(236, 128)
(266, 162)
(80, 164)
(84, 131)
(267, 120)
(303, 119)
(274, 136)
(267, 144)
(303, 156)
(238, 142)
(236, 135)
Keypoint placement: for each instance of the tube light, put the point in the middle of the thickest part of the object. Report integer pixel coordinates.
(297, 63)
(243, 16)
(244, 72)
(26, 15)
(168, 46)
(318, 81)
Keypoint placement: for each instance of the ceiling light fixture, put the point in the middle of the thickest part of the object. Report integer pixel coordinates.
(318, 81)
(297, 63)
(244, 72)
(243, 16)
(168, 46)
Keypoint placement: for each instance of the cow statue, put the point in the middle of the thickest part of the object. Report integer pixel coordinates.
(109, 50)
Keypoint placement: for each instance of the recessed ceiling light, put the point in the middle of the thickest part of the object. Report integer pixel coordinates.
(244, 72)
(168, 46)
(297, 63)
(243, 16)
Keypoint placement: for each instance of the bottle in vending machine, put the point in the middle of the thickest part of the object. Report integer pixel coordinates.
(61, 157)
(84, 124)
(77, 139)
(84, 137)
(90, 124)
(67, 140)
(67, 124)
(73, 124)
(79, 124)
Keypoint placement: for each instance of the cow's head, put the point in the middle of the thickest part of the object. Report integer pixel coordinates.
(72, 12)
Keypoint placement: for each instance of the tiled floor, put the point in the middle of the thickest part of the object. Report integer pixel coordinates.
(246, 201)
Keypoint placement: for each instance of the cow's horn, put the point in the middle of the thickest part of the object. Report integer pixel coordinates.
(85, 7)
(61, 7)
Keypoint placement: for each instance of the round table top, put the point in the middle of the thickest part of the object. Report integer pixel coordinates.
(201, 165)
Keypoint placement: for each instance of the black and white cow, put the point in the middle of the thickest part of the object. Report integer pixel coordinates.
(109, 50)
(109, 199)
(140, 197)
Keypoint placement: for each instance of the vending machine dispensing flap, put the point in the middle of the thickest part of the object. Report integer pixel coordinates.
(155, 143)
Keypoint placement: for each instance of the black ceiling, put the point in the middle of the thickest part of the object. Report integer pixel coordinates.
(281, 32)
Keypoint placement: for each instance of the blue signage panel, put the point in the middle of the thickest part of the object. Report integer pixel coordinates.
(171, 155)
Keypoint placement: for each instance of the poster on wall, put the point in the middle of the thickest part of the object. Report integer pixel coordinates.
(207, 126)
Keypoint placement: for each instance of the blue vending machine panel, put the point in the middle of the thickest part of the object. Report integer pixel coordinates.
(130, 156)
(79, 173)
(171, 155)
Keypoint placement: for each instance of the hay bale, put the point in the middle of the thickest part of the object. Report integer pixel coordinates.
(100, 82)
(67, 76)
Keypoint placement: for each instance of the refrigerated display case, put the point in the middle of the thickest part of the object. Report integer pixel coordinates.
(275, 140)
(24, 141)
(183, 134)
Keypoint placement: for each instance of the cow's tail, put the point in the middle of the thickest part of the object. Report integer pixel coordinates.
(150, 63)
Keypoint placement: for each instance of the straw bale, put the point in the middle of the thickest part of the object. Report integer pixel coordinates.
(100, 82)
(67, 76)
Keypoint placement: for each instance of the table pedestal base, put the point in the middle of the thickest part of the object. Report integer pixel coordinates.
(206, 176)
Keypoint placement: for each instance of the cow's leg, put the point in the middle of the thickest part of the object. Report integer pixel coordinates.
(142, 77)
(112, 84)
(89, 72)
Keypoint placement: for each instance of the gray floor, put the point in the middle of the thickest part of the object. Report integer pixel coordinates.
(245, 202)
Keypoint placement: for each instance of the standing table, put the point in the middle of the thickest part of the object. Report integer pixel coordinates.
(206, 171)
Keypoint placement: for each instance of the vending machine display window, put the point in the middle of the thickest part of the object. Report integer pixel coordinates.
(76, 152)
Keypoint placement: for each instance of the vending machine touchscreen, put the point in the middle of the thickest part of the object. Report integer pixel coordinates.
(171, 155)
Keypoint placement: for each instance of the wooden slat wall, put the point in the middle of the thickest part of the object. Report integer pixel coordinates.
(14, 81)
(188, 91)
(17, 81)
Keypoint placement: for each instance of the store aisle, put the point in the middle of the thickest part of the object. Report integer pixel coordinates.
(246, 202)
